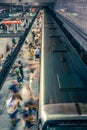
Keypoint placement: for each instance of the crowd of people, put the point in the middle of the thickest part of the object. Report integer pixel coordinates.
(16, 103)
(6, 55)
(10, 27)
(21, 99)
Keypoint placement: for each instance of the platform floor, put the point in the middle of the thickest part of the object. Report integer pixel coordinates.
(34, 86)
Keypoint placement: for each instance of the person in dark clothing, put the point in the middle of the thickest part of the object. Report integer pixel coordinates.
(14, 90)
(28, 119)
(8, 48)
(33, 35)
(7, 57)
(28, 115)
(4, 27)
(21, 69)
(19, 76)
(12, 48)
(31, 104)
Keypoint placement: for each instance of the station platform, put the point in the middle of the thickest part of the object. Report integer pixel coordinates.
(4, 92)
(29, 80)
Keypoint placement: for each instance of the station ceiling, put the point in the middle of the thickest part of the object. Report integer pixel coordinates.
(29, 2)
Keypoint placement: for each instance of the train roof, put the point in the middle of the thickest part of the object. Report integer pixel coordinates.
(63, 111)
(63, 74)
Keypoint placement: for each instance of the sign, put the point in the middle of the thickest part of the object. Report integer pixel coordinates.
(11, 22)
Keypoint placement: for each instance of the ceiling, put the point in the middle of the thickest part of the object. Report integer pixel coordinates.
(29, 2)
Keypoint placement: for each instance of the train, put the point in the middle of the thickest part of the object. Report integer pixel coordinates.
(63, 81)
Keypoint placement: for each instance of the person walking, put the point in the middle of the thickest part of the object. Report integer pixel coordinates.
(37, 53)
(21, 70)
(18, 74)
(12, 109)
(14, 89)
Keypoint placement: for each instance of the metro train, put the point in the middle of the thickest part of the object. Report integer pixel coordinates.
(63, 81)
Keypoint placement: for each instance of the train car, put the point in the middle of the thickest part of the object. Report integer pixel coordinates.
(63, 82)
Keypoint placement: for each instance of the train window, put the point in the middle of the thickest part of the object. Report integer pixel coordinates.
(67, 125)
(66, 128)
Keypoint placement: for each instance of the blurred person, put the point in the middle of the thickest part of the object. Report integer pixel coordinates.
(8, 56)
(30, 106)
(8, 48)
(12, 48)
(37, 53)
(12, 71)
(36, 39)
(27, 41)
(19, 76)
(13, 88)
(29, 120)
(33, 33)
(26, 93)
(2, 59)
(21, 70)
(4, 27)
(12, 109)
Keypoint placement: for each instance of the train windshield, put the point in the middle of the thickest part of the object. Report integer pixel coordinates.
(67, 128)
(67, 125)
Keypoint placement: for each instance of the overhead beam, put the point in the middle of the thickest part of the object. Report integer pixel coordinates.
(27, 1)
